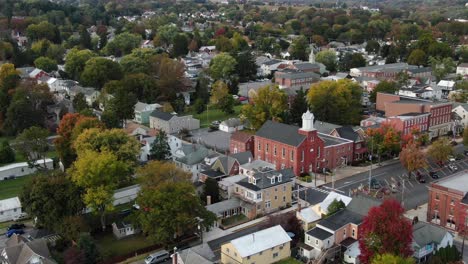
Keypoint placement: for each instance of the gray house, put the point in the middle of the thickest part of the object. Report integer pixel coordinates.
(172, 123)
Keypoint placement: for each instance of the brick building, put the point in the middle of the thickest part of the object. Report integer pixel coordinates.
(408, 122)
(382, 72)
(241, 142)
(448, 202)
(440, 117)
(302, 149)
(295, 79)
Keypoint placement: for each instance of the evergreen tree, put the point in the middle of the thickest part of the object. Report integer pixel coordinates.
(7, 155)
(88, 246)
(298, 107)
(160, 149)
(211, 189)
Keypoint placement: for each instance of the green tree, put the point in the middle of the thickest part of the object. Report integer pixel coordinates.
(122, 105)
(226, 104)
(75, 62)
(337, 102)
(245, 66)
(268, 102)
(91, 252)
(417, 57)
(298, 107)
(51, 197)
(441, 67)
(97, 71)
(177, 202)
(32, 143)
(219, 91)
(156, 172)
(327, 58)
(391, 259)
(7, 155)
(222, 66)
(448, 254)
(122, 44)
(352, 60)
(85, 38)
(223, 44)
(9, 77)
(373, 46)
(210, 188)
(79, 102)
(440, 150)
(179, 45)
(43, 30)
(299, 48)
(138, 61)
(238, 42)
(45, 64)
(165, 35)
(465, 136)
(383, 87)
(160, 149)
(335, 206)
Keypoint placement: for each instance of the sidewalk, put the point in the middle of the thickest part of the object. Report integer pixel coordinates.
(217, 232)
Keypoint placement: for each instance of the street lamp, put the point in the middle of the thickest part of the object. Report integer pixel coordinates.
(200, 232)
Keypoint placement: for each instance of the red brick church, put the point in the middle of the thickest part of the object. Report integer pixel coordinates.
(302, 149)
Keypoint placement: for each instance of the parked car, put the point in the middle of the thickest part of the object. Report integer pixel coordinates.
(20, 217)
(375, 184)
(158, 257)
(9, 233)
(453, 167)
(433, 175)
(453, 143)
(465, 152)
(16, 226)
(451, 158)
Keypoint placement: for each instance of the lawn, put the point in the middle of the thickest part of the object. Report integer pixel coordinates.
(233, 220)
(12, 188)
(289, 261)
(214, 114)
(109, 246)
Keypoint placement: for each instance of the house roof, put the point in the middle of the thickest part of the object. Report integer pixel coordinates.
(162, 115)
(241, 136)
(319, 233)
(197, 255)
(331, 140)
(259, 241)
(362, 204)
(23, 252)
(212, 173)
(10, 204)
(194, 155)
(348, 132)
(309, 215)
(140, 107)
(313, 195)
(426, 233)
(298, 75)
(256, 164)
(334, 196)
(219, 208)
(242, 157)
(263, 179)
(463, 65)
(272, 62)
(232, 122)
(280, 132)
(303, 66)
(324, 127)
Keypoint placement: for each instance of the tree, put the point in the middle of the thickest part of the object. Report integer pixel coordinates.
(33, 145)
(122, 105)
(138, 61)
(223, 44)
(222, 66)
(245, 66)
(156, 172)
(465, 137)
(392, 259)
(412, 158)
(9, 77)
(179, 45)
(73, 255)
(170, 210)
(268, 102)
(373, 46)
(7, 155)
(384, 140)
(71, 227)
(335, 206)
(87, 245)
(336, 102)
(165, 35)
(352, 60)
(99, 174)
(97, 71)
(219, 90)
(327, 58)
(448, 254)
(122, 44)
(383, 87)
(51, 197)
(170, 74)
(379, 235)
(79, 102)
(440, 150)
(226, 104)
(417, 57)
(160, 149)
(75, 62)
(441, 67)
(210, 188)
(85, 38)
(45, 64)
(298, 107)
(299, 48)
(43, 30)
(238, 42)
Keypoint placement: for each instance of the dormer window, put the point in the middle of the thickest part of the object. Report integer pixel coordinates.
(280, 178)
(254, 181)
(273, 180)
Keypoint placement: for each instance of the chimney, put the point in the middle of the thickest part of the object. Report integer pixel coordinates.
(208, 200)
(299, 207)
(250, 159)
(174, 256)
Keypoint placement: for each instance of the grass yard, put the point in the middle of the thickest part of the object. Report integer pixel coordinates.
(214, 114)
(109, 246)
(233, 220)
(289, 261)
(12, 188)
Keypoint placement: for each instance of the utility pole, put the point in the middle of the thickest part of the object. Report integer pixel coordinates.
(370, 158)
(403, 194)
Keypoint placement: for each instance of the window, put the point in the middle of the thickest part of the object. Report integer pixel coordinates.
(276, 197)
(318, 152)
(275, 255)
(273, 180)
(267, 204)
(437, 196)
(259, 207)
(284, 198)
(274, 150)
(280, 178)
(354, 232)
(302, 156)
(227, 250)
(235, 254)
(248, 257)
(254, 181)
(261, 252)
(267, 147)
(292, 155)
(276, 189)
(259, 146)
(259, 196)
(283, 153)
(452, 201)
(316, 241)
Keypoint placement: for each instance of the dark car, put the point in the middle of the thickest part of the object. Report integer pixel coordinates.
(433, 175)
(421, 179)
(16, 226)
(9, 233)
(375, 184)
(465, 152)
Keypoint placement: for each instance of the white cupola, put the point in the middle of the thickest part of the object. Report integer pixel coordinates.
(308, 121)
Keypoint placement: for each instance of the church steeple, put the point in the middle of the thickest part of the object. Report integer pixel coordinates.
(308, 121)
(312, 54)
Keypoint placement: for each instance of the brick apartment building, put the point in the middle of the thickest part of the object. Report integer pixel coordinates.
(448, 202)
(408, 122)
(302, 149)
(440, 113)
(295, 79)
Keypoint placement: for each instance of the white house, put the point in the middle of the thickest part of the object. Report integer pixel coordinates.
(351, 255)
(9, 209)
(462, 69)
(126, 195)
(446, 85)
(231, 125)
(22, 168)
(123, 229)
(461, 114)
(428, 238)
(322, 208)
(269, 67)
(307, 216)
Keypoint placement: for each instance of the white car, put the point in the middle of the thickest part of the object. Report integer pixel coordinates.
(451, 158)
(453, 167)
(20, 217)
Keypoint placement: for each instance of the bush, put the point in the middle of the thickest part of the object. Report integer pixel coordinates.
(7, 155)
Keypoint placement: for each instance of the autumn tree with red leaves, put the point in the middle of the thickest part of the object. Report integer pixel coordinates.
(384, 140)
(385, 230)
(412, 158)
(69, 129)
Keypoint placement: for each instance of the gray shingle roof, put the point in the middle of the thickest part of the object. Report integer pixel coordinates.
(324, 127)
(242, 157)
(198, 154)
(313, 195)
(319, 233)
(263, 179)
(162, 115)
(282, 133)
(218, 208)
(348, 133)
(425, 233)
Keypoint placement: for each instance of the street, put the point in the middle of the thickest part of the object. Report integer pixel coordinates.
(413, 194)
